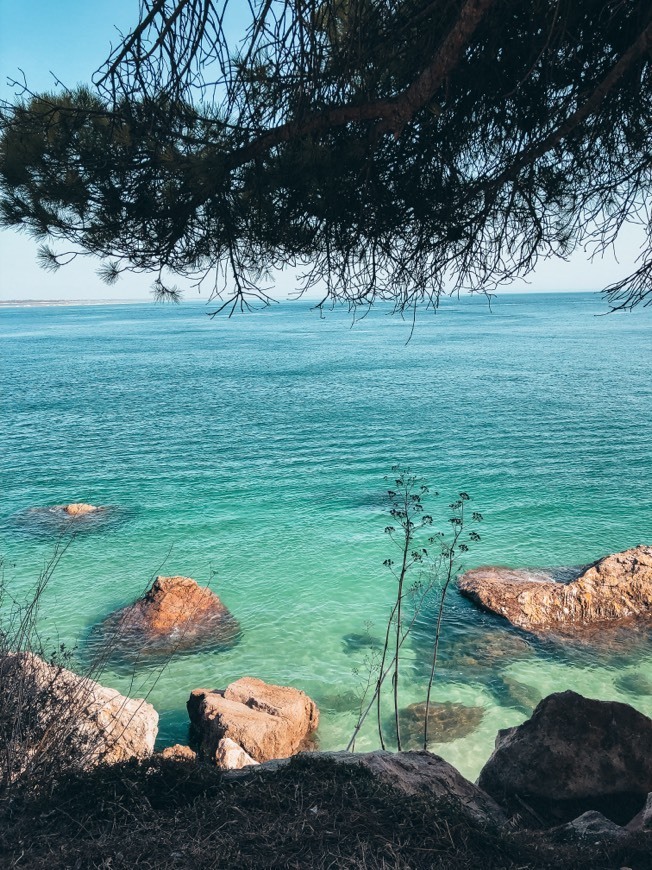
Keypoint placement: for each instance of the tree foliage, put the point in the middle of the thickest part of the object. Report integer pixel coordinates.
(390, 149)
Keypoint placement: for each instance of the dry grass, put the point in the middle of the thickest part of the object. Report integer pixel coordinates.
(310, 814)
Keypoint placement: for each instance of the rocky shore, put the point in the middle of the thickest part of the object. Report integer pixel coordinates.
(577, 766)
(577, 769)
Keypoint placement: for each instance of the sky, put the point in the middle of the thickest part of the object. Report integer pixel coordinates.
(70, 39)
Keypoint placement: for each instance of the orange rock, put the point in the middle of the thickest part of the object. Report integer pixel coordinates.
(177, 603)
(617, 588)
(267, 721)
(79, 509)
(176, 613)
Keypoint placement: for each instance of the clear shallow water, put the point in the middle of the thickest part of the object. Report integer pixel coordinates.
(255, 449)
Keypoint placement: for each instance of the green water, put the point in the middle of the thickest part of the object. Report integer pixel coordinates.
(254, 450)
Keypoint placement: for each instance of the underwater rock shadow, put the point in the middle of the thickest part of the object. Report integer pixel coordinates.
(53, 521)
(356, 642)
(124, 652)
(477, 647)
(448, 721)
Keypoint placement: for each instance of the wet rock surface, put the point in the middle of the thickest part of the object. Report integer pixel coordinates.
(575, 754)
(175, 615)
(265, 720)
(615, 590)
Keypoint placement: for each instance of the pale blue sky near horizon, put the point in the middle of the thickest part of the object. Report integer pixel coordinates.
(69, 40)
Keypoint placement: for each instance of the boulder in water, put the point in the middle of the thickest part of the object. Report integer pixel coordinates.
(79, 509)
(266, 721)
(615, 590)
(575, 754)
(175, 614)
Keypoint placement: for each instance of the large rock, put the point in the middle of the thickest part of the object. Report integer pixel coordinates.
(267, 721)
(410, 773)
(61, 519)
(575, 754)
(176, 614)
(68, 720)
(615, 590)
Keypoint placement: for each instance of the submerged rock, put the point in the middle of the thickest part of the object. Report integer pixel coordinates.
(78, 517)
(469, 650)
(266, 721)
(512, 693)
(634, 684)
(72, 718)
(447, 721)
(340, 702)
(616, 589)
(176, 614)
(356, 642)
(575, 754)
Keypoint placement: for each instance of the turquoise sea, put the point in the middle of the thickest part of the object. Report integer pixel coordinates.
(253, 451)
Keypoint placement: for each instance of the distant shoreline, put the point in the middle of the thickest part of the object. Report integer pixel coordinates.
(56, 303)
